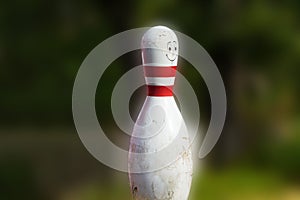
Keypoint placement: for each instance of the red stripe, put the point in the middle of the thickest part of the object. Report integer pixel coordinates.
(154, 71)
(160, 91)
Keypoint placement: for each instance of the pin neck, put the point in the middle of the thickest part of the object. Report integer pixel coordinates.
(160, 91)
(160, 80)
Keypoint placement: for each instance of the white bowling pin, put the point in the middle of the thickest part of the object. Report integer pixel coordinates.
(160, 161)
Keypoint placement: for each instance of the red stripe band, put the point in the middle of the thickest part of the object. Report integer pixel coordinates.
(154, 71)
(160, 91)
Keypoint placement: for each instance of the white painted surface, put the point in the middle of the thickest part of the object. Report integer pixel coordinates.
(159, 124)
(163, 81)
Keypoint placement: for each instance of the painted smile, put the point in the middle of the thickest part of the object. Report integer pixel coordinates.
(170, 58)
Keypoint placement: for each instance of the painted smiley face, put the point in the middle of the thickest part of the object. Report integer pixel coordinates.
(160, 47)
(172, 50)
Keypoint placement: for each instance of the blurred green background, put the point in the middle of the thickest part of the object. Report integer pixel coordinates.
(255, 44)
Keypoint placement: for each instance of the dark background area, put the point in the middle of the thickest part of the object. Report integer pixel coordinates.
(255, 44)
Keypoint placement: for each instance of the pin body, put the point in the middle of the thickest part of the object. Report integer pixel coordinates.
(160, 161)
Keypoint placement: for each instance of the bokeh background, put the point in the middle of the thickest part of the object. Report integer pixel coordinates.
(255, 44)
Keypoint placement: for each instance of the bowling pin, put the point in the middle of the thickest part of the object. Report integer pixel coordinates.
(160, 161)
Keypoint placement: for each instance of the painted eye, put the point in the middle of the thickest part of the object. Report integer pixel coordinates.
(175, 48)
(169, 48)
